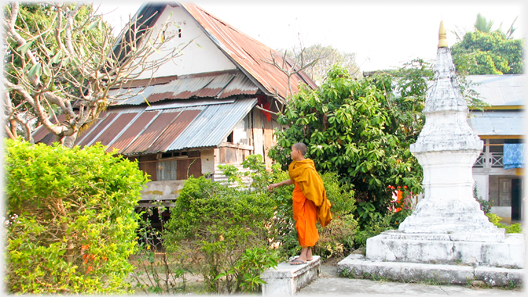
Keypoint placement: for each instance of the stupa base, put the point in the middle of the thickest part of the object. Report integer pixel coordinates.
(357, 266)
(398, 246)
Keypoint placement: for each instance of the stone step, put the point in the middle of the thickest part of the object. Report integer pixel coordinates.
(287, 279)
(358, 266)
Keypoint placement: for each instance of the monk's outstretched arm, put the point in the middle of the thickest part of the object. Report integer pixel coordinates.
(282, 183)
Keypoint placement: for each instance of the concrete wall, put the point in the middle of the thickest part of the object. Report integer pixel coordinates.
(161, 190)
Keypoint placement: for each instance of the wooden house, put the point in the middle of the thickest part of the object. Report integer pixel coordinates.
(204, 108)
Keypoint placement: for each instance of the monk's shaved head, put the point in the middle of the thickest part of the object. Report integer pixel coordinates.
(300, 147)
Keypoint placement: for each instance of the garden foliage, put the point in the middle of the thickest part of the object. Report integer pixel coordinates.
(223, 232)
(156, 271)
(488, 53)
(360, 130)
(495, 219)
(71, 222)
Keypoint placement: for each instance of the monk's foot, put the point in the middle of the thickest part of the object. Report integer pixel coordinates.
(297, 261)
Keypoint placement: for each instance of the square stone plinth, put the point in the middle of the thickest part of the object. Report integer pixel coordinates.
(286, 279)
(397, 246)
(357, 266)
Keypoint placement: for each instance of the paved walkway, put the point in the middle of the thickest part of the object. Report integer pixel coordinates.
(330, 284)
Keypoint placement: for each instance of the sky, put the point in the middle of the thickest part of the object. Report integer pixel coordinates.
(382, 34)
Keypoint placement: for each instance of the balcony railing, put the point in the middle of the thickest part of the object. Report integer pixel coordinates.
(490, 160)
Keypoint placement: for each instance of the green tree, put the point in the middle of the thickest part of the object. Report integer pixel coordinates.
(359, 129)
(70, 219)
(483, 25)
(63, 59)
(484, 51)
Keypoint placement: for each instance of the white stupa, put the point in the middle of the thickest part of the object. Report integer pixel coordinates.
(447, 228)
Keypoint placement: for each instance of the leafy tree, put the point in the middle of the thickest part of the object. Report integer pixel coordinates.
(325, 57)
(483, 25)
(359, 129)
(70, 220)
(484, 51)
(60, 59)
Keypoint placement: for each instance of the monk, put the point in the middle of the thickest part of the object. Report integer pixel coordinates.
(310, 204)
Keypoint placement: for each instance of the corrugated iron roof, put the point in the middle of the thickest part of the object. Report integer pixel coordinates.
(497, 122)
(41, 132)
(500, 90)
(143, 130)
(212, 125)
(152, 132)
(248, 53)
(173, 131)
(241, 85)
(131, 133)
(94, 131)
(218, 85)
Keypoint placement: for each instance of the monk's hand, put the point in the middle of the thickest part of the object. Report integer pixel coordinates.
(270, 187)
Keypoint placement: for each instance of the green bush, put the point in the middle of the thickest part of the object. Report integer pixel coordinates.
(71, 222)
(377, 225)
(513, 228)
(224, 233)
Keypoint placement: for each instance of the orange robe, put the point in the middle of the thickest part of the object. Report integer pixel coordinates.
(305, 216)
(309, 201)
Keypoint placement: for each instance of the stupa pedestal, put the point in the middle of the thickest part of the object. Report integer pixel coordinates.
(448, 237)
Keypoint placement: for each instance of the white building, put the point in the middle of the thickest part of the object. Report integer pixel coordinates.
(498, 172)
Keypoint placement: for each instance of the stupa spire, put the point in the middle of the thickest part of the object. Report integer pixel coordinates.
(442, 37)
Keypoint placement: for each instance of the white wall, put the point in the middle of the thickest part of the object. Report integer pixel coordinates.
(208, 161)
(482, 183)
(202, 55)
(240, 132)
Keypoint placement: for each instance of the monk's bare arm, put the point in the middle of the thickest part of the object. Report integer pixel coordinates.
(283, 183)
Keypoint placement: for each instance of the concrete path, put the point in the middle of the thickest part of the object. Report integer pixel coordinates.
(330, 284)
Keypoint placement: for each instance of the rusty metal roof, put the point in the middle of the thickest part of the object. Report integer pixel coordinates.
(248, 53)
(215, 85)
(42, 132)
(213, 125)
(164, 127)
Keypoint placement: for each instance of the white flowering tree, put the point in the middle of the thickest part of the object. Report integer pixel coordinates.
(63, 59)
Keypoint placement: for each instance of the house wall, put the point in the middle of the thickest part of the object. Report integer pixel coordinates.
(488, 173)
(208, 161)
(176, 166)
(202, 55)
(263, 139)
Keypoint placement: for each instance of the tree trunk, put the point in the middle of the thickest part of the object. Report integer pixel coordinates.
(69, 141)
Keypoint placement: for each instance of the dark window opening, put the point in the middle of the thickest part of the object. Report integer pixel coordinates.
(230, 138)
(179, 33)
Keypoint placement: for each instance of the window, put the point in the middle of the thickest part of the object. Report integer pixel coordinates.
(166, 170)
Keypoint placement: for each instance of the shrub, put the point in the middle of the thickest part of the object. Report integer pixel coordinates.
(336, 239)
(495, 219)
(71, 222)
(376, 226)
(224, 231)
